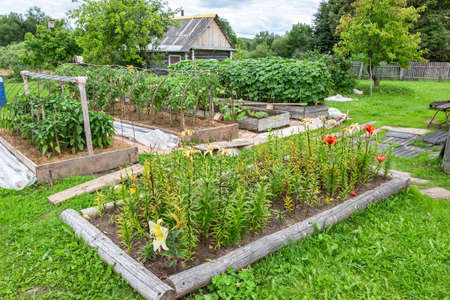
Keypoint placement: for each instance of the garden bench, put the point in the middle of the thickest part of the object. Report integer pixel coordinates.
(439, 106)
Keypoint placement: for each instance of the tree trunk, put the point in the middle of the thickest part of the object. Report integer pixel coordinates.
(446, 158)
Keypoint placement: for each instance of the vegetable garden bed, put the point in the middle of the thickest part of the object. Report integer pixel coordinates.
(68, 164)
(276, 119)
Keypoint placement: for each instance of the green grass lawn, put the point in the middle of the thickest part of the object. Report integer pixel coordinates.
(396, 103)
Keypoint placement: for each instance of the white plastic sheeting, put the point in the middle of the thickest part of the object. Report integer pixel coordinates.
(154, 138)
(334, 113)
(339, 98)
(13, 174)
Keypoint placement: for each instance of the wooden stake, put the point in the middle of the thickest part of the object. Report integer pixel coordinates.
(84, 106)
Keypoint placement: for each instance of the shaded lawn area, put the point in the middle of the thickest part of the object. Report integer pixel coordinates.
(396, 103)
(397, 249)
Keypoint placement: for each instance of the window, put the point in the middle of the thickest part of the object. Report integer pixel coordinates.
(173, 59)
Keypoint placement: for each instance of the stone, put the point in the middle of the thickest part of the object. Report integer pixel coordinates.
(415, 131)
(437, 193)
(398, 173)
(407, 151)
(399, 134)
(435, 138)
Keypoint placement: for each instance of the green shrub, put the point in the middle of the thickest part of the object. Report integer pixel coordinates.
(270, 79)
(338, 66)
(9, 58)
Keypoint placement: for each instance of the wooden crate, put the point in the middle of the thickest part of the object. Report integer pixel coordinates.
(86, 165)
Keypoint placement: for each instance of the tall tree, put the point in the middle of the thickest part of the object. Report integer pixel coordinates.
(14, 26)
(49, 46)
(326, 20)
(299, 39)
(379, 30)
(112, 31)
(434, 26)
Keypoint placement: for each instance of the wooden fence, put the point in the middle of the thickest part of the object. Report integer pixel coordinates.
(417, 71)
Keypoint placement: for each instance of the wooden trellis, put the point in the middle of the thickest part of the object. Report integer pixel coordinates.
(81, 82)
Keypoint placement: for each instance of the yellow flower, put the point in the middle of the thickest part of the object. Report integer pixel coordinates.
(307, 121)
(132, 190)
(352, 129)
(159, 234)
(210, 150)
(225, 151)
(130, 68)
(331, 123)
(187, 132)
(190, 153)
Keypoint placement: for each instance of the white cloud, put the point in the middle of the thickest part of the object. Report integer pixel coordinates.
(247, 17)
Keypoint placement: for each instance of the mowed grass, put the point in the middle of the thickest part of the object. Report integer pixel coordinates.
(397, 249)
(396, 103)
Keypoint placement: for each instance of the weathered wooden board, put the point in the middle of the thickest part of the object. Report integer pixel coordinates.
(298, 111)
(226, 132)
(233, 144)
(276, 119)
(86, 165)
(141, 279)
(94, 185)
(199, 276)
(27, 162)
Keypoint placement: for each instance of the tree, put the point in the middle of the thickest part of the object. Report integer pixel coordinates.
(262, 50)
(280, 47)
(120, 31)
(49, 46)
(264, 37)
(299, 39)
(326, 20)
(434, 26)
(14, 26)
(380, 29)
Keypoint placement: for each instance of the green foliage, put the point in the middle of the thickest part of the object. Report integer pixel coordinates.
(14, 26)
(49, 46)
(55, 124)
(215, 200)
(338, 66)
(120, 31)
(270, 79)
(9, 58)
(299, 39)
(381, 31)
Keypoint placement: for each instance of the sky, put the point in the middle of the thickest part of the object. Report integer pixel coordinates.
(247, 17)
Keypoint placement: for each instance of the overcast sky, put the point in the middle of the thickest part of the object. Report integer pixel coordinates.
(247, 17)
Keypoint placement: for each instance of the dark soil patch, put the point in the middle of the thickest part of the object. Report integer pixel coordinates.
(206, 251)
(32, 153)
(127, 112)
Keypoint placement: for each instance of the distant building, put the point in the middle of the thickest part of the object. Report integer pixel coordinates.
(195, 37)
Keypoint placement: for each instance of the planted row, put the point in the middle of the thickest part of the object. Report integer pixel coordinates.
(189, 199)
(271, 79)
(55, 124)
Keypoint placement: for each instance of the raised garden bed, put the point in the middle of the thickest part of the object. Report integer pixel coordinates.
(276, 119)
(68, 164)
(297, 111)
(89, 226)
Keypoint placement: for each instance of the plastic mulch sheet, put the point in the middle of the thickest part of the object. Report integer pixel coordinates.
(13, 174)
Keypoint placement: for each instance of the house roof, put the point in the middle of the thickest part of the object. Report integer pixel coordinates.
(181, 38)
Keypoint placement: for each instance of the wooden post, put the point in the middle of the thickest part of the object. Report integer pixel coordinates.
(193, 54)
(446, 158)
(231, 55)
(84, 106)
(361, 68)
(25, 82)
(401, 73)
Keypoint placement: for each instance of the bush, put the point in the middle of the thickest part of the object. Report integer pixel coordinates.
(338, 66)
(55, 124)
(9, 58)
(270, 79)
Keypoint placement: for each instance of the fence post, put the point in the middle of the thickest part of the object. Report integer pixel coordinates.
(441, 72)
(360, 70)
(401, 73)
(84, 106)
(25, 81)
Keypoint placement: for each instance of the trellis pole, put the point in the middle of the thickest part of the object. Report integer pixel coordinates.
(81, 82)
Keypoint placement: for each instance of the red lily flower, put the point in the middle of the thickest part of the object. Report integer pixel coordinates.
(330, 140)
(353, 193)
(381, 157)
(369, 128)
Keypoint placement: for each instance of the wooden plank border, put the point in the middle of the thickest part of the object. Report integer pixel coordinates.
(142, 280)
(199, 276)
(22, 158)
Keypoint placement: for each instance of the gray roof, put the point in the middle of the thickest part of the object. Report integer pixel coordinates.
(181, 38)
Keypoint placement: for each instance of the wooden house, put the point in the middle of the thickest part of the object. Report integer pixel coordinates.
(195, 37)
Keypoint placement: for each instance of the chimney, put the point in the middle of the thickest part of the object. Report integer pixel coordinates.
(182, 12)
